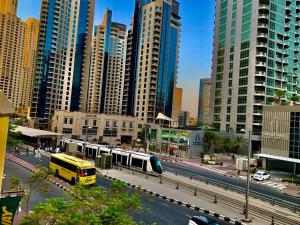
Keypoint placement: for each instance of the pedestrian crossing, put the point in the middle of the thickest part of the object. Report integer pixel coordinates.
(269, 183)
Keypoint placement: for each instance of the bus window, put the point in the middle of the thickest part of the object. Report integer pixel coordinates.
(87, 172)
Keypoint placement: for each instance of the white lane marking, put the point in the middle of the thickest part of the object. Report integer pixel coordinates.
(165, 204)
(188, 216)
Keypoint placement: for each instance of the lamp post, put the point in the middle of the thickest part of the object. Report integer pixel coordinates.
(247, 219)
(86, 132)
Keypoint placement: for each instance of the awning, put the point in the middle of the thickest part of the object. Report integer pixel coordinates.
(286, 159)
(30, 132)
(161, 116)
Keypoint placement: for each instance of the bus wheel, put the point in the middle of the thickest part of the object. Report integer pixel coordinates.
(56, 173)
(73, 181)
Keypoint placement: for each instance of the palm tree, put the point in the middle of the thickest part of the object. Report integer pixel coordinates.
(210, 139)
(225, 143)
(280, 94)
(240, 142)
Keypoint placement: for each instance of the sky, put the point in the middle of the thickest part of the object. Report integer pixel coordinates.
(195, 46)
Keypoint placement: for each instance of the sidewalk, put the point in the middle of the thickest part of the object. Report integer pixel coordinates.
(178, 194)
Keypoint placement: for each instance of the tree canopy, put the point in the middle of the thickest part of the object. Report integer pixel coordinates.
(89, 206)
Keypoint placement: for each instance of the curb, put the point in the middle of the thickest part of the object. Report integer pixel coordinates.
(31, 170)
(198, 209)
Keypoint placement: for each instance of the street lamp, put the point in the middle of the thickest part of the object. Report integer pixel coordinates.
(247, 219)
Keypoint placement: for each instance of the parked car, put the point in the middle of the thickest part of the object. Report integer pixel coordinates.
(202, 220)
(261, 175)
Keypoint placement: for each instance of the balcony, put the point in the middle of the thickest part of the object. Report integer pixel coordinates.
(261, 54)
(263, 8)
(261, 64)
(262, 26)
(260, 74)
(262, 35)
(261, 45)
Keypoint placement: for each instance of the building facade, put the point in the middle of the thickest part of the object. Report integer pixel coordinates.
(263, 36)
(107, 67)
(30, 48)
(177, 100)
(12, 34)
(281, 137)
(204, 114)
(62, 68)
(183, 118)
(154, 51)
(100, 127)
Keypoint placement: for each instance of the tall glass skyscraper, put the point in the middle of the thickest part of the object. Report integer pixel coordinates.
(62, 68)
(256, 53)
(107, 67)
(154, 52)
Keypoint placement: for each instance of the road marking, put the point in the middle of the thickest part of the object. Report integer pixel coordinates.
(165, 204)
(188, 216)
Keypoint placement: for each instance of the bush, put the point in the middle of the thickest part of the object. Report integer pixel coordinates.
(292, 179)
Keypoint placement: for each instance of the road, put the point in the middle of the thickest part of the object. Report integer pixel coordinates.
(157, 210)
(14, 170)
(254, 187)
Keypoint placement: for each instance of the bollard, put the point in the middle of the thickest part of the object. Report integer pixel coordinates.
(226, 187)
(160, 180)
(191, 177)
(177, 185)
(195, 192)
(215, 201)
(146, 176)
(272, 221)
(273, 201)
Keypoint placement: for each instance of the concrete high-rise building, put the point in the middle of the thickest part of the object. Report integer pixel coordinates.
(204, 114)
(31, 39)
(177, 100)
(151, 77)
(256, 53)
(183, 119)
(12, 33)
(107, 67)
(63, 58)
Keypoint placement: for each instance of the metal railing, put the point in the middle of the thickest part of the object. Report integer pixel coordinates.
(265, 213)
(263, 197)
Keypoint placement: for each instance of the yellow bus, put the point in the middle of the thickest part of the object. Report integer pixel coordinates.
(73, 169)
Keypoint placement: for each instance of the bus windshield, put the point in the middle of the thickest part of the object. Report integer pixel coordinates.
(87, 172)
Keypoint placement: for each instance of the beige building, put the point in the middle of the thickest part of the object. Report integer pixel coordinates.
(12, 34)
(100, 127)
(107, 67)
(177, 101)
(204, 113)
(31, 39)
(281, 137)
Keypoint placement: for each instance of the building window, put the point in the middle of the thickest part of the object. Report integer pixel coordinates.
(107, 124)
(94, 123)
(71, 120)
(65, 120)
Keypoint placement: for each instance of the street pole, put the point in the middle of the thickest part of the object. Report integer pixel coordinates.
(248, 181)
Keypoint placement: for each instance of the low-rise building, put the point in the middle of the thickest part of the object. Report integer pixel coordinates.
(96, 127)
(281, 138)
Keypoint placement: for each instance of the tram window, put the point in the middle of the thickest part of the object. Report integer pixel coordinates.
(124, 161)
(137, 162)
(119, 158)
(114, 158)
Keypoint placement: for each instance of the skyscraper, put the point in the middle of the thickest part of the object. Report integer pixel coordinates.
(256, 53)
(12, 33)
(62, 68)
(204, 101)
(107, 67)
(30, 48)
(154, 53)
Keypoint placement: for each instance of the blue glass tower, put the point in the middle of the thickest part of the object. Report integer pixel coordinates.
(64, 36)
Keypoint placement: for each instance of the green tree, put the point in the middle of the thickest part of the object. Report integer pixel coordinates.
(225, 143)
(239, 142)
(295, 98)
(210, 139)
(13, 137)
(89, 206)
(37, 182)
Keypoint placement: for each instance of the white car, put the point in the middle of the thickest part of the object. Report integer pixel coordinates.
(261, 175)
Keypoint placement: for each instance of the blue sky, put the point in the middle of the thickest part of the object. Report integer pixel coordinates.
(196, 38)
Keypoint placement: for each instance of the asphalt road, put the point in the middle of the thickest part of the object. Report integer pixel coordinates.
(254, 187)
(13, 170)
(157, 210)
